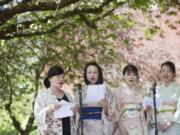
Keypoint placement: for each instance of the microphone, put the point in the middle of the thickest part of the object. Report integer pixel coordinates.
(155, 109)
(79, 88)
(153, 88)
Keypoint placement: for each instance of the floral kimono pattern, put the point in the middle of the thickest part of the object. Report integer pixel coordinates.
(129, 110)
(48, 124)
(170, 109)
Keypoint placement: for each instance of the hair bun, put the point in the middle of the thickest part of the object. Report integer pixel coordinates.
(46, 82)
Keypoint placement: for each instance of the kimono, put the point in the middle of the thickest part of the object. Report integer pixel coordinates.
(103, 126)
(169, 110)
(48, 124)
(129, 110)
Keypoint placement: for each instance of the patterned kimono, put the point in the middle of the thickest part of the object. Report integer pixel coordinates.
(48, 124)
(170, 109)
(129, 113)
(103, 126)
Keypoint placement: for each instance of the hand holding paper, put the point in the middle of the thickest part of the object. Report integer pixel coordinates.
(64, 110)
(95, 93)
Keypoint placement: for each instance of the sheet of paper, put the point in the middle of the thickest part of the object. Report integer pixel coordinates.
(148, 101)
(95, 93)
(64, 110)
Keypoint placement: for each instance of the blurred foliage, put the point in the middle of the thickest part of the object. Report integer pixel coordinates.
(150, 32)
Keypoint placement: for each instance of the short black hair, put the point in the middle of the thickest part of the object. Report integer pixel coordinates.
(100, 75)
(170, 65)
(130, 68)
(53, 71)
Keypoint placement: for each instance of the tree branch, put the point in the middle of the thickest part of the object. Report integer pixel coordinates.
(109, 11)
(53, 29)
(4, 2)
(29, 124)
(31, 117)
(90, 10)
(6, 14)
(25, 1)
(16, 123)
(10, 31)
(13, 27)
(87, 22)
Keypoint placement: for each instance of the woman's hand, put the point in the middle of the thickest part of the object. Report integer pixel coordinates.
(52, 108)
(167, 125)
(147, 108)
(164, 127)
(104, 102)
(160, 127)
(75, 109)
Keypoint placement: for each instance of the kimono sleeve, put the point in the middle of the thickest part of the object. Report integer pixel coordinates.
(176, 116)
(43, 100)
(111, 103)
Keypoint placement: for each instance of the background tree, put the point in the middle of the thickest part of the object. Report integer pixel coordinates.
(34, 33)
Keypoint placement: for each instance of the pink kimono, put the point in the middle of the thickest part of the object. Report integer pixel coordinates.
(129, 113)
(103, 126)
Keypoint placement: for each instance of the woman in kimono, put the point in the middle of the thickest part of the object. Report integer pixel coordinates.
(47, 102)
(97, 116)
(129, 97)
(168, 116)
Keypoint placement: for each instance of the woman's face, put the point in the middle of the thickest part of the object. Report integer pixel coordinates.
(167, 76)
(92, 74)
(56, 81)
(131, 78)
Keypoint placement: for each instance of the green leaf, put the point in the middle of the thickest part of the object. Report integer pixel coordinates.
(126, 42)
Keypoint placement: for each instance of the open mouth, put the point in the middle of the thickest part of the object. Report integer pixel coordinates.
(131, 81)
(92, 79)
(60, 82)
(166, 77)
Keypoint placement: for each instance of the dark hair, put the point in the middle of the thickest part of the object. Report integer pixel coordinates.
(170, 65)
(100, 75)
(53, 71)
(130, 68)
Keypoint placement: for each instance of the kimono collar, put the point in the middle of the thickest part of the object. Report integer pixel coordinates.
(47, 91)
(172, 83)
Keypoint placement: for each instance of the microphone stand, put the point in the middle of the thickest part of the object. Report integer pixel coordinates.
(155, 109)
(80, 103)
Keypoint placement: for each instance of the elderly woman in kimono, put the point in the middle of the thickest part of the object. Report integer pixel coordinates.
(168, 116)
(129, 109)
(47, 102)
(97, 116)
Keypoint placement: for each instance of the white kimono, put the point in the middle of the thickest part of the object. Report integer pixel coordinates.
(170, 108)
(48, 124)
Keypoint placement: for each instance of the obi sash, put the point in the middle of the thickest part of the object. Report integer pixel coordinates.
(166, 112)
(131, 111)
(92, 113)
